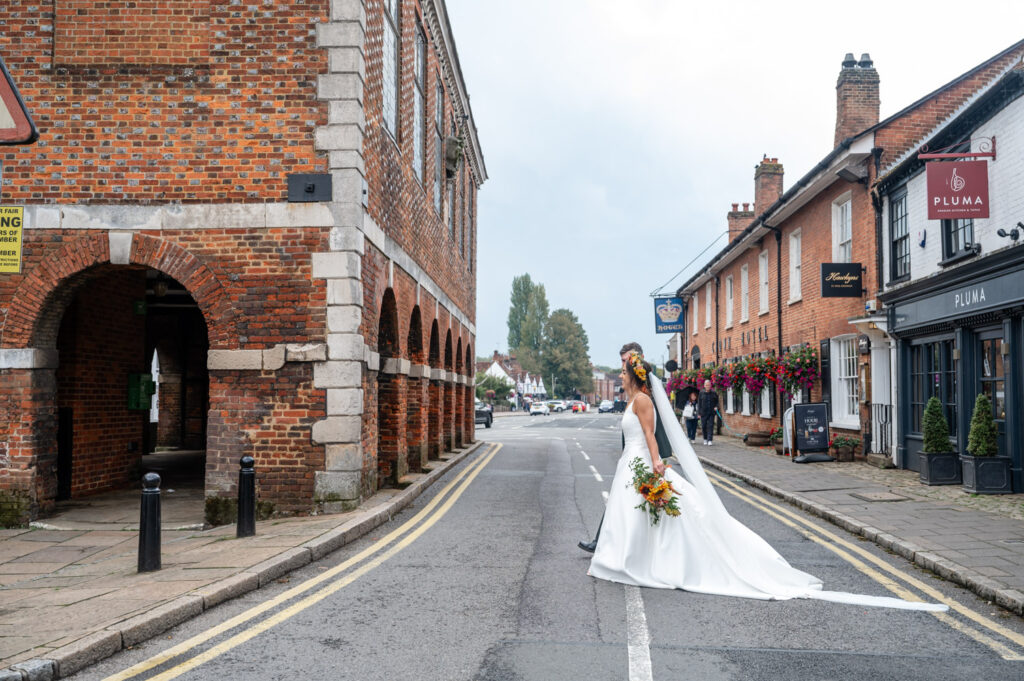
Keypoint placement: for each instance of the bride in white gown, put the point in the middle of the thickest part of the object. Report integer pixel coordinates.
(704, 549)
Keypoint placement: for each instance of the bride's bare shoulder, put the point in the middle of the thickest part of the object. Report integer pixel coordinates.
(643, 401)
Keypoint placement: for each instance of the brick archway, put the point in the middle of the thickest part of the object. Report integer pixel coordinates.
(435, 442)
(470, 390)
(460, 397)
(34, 320)
(418, 399)
(392, 461)
(448, 408)
(35, 313)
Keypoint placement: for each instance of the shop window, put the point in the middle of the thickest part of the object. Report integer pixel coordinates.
(993, 383)
(957, 238)
(899, 252)
(392, 44)
(932, 374)
(845, 410)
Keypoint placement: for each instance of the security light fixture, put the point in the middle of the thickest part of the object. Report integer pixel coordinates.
(1014, 233)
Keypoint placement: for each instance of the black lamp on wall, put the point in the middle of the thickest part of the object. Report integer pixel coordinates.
(1014, 233)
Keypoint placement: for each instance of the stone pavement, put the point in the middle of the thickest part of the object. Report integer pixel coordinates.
(70, 594)
(976, 541)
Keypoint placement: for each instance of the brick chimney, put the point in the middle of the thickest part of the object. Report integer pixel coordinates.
(856, 97)
(767, 183)
(739, 219)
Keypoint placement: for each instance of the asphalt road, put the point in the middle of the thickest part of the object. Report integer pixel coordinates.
(481, 579)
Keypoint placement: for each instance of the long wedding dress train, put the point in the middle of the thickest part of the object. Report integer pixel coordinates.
(704, 549)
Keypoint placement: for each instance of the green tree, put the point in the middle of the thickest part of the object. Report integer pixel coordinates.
(522, 292)
(565, 355)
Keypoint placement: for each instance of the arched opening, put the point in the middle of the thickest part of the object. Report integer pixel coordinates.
(470, 391)
(448, 411)
(695, 357)
(460, 398)
(391, 457)
(435, 442)
(418, 399)
(131, 393)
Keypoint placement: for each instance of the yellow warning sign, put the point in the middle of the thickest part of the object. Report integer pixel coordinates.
(12, 220)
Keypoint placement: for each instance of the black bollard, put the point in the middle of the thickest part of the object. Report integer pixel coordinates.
(149, 524)
(246, 498)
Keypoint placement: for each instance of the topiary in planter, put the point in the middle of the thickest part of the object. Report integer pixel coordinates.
(983, 471)
(982, 438)
(939, 464)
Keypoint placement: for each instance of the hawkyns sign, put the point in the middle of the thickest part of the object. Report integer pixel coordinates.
(957, 190)
(842, 280)
(668, 315)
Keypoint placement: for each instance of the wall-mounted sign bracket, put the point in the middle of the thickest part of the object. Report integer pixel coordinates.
(986, 149)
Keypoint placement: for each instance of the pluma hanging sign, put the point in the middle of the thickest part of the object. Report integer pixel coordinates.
(957, 190)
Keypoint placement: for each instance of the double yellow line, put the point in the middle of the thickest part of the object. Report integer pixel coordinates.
(883, 573)
(415, 526)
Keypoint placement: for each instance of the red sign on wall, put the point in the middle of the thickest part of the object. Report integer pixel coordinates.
(957, 190)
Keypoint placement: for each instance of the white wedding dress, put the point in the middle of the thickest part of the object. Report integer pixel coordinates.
(704, 549)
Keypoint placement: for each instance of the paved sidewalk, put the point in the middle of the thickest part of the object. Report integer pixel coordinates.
(975, 541)
(72, 596)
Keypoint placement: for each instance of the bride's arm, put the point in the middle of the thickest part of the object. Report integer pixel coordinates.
(644, 409)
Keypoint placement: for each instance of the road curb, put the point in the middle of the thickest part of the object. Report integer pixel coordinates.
(99, 645)
(985, 587)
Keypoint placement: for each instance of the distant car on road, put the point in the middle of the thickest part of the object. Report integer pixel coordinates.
(539, 408)
(606, 406)
(579, 407)
(556, 406)
(484, 413)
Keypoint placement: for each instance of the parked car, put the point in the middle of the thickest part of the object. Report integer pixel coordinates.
(606, 406)
(539, 408)
(484, 413)
(579, 407)
(556, 406)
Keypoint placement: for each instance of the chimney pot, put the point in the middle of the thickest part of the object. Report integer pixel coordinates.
(746, 207)
(735, 207)
(865, 61)
(849, 62)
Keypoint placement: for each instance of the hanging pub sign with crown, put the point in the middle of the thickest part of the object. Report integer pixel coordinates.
(668, 314)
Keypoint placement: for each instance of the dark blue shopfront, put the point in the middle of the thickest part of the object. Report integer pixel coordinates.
(960, 334)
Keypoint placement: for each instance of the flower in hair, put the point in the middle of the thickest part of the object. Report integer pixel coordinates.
(636, 363)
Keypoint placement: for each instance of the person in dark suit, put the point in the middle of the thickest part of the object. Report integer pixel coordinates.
(707, 407)
(664, 448)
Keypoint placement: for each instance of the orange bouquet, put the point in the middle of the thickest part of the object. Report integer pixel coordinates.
(658, 494)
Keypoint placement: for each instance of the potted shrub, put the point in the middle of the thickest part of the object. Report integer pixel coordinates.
(939, 463)
(775, 438)
(842, 447)
(984, 471)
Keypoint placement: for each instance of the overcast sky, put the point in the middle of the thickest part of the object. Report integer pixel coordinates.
(617, 134)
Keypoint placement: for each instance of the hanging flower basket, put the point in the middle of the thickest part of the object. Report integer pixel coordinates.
(759, 372)
(797, 370)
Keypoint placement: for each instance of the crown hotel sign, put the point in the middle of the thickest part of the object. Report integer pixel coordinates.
(958, 190)
(668, 313)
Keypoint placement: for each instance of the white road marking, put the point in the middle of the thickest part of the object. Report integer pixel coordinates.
(605, 496)
(638, 638)
(597, 476)
(584, 455)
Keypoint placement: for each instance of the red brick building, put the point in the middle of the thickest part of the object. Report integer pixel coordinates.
(279, 203)
(761, 296)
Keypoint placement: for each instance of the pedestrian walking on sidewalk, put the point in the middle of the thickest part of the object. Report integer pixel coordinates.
(690, 416)
(707, 406)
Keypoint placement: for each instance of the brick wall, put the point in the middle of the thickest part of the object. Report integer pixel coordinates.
(126, 115)
(101, 342)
